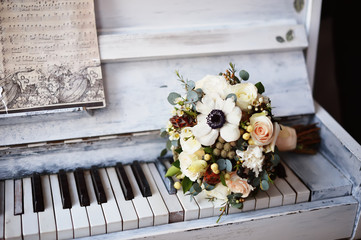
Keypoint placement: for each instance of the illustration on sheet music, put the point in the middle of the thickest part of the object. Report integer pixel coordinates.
(49, 56)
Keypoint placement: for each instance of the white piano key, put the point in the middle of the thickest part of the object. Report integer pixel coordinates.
(128, 213)
(190, 206)
(141, 204)
(249, 204)
(262, 200)
(176, 213)
(2, 209)
(12, 222)
(30, 223)
(302, 192)
(160, 211)
(206, 207)
(47, 227)
(275, 196)
(289, 196)
(78, 213)
(110, 208)
(218, 206)
(94, 210)
(64, 225)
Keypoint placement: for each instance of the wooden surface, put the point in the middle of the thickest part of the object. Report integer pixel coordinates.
(332, 219)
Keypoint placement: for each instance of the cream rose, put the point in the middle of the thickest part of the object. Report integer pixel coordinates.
(239, 185)
(262, 132)
(213, 85)
(192, 165)
(246, 93)
(188, 142)
(219, 191)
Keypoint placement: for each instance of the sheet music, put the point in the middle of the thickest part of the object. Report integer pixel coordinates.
(49, 55)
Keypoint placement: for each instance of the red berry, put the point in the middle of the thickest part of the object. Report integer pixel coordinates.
(210, 177)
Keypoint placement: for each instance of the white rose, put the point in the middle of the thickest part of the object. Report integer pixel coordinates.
(188, 142)
(220, 192)
(246, 93)
(213, 85)
(192, 165)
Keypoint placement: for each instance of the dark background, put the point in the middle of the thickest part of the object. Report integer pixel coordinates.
(337, 78)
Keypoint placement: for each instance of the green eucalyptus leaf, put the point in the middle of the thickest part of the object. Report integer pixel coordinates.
(190, 85)
(264, 185)
(280, 39)
(175, 143)
(172, 171)
(186, 184)
(163, 152)
(298, 5)
(275, 160)
(163, 133)
(195, 189)
(244, 75)
(233, 96)
(192, 96)
(265, 176)
(172, 97)
(208, 187)
(169, 145)
(199, 92)
(289, 35)
(260, 87)
(221, 164)
(228, 165)
(237, 205)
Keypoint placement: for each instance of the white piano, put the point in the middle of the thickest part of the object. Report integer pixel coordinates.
(141, 44)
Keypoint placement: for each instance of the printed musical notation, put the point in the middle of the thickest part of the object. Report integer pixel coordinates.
(49, 55)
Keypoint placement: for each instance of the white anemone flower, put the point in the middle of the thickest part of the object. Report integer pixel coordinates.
(217, 116)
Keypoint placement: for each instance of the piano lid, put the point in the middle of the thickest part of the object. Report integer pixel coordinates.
(140, 53)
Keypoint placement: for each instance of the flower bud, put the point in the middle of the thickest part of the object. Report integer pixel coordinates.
(246, 136)
(177, 185)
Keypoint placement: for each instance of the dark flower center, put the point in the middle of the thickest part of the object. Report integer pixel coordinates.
(216, 119)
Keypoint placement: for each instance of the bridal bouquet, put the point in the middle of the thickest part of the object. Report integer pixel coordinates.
(224, 137)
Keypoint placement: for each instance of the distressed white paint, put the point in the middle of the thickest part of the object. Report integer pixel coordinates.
(302, 192)
(199, 42)
(332, 219)
(137, 95)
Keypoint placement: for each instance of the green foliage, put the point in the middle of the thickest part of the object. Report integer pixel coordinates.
(172, 97)
(280, 39)
(163, 152)
(234, 200)
(195, 189)
(186, 184)
(264, 185)
(192, 96)
(172, 171)
(208, 187)
(244, 75)
(176, 164)
(260, 87)
(233, 96)
(223, 180)
(298, 5)
(289, 35)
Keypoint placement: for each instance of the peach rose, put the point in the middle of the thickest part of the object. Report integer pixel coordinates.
(238, 185)
(262, 132)
(287, 139)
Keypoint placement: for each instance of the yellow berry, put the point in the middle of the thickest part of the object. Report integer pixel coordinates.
(250, 141)
(177, 185)
(227, 176)
(249, 128)
(246, 136)
(207, 157)
(217, 171)
(214, 167)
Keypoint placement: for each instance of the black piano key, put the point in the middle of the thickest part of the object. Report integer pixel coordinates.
(168, 181)
(37, 190)
(124, 182)
(81, 188)
(18, 197)
(98, 186)
(141, 180)
(64, 189)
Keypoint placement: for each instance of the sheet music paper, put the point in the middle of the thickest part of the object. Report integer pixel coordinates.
(49, 56)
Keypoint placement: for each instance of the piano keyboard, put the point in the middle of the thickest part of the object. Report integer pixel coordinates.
(98, 201)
